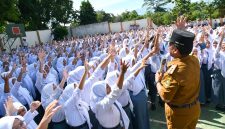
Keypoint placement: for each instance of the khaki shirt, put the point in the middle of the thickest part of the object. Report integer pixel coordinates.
(181, 82)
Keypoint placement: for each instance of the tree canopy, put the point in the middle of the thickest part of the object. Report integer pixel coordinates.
(156, 5)
(87, 13)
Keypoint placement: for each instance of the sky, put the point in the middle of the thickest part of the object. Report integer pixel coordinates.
(118, 6)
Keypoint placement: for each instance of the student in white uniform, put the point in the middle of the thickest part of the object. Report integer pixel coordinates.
(139, 94)
(76, 110)
(28, 115)
(52, 69)
(218, 83)
(108, 111)
(124, 98)
(26, 79)
(22, 94)
(43, 74)
(51, 92)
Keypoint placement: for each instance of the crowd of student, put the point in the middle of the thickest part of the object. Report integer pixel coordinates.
(101, 81)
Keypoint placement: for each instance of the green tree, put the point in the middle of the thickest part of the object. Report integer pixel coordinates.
(133, 15)
(37, 14)
(125, 16)
(182, 7)
(60, 32)
(63, 11)
(220, 4)
(117, 18)
(9, 12)
(156, 5)
(87, 13)
(168, 18)
(102, 16)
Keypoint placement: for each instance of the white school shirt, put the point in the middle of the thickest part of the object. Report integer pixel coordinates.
(27, 82)
(76, 111)
(124, 98)
(106, 112)
(41, 81)
(138, 83)
(47, 96)
(22, 94)
(28, 118)
(154, 61)
(54, 72)
(219, 62)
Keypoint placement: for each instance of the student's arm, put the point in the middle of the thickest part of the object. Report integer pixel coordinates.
(82, 81)
(13, 70)
(41, 57)
(50, 110)
(6, 80)
(65, 76)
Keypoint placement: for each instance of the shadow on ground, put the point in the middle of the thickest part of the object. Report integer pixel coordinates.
(209, 119)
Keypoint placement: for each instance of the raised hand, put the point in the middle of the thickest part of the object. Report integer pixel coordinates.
(14, 66)
(23, 69)
(9, 107)
(180, 23)
(143, 64)
(5, 77)
(34, 105)
(41, 55)
(65, 74)
(113, 51)
(124, 66)
(50, 110)
(159, 31)
(74, 62)
(86, 66)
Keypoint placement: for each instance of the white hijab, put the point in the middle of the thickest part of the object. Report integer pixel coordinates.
(59, 64)
(81, 106)
(111, 79)
(7, 121)
(76, 75)
(98, 93)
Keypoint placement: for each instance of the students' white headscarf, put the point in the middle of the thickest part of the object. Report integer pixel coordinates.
(76, 75)
(7, 121)
(111, 79)
(98, 93)
(59, 64)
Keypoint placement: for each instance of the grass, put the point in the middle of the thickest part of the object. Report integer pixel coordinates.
(209, 119)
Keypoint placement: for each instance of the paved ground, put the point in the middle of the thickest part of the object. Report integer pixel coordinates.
(209, 119)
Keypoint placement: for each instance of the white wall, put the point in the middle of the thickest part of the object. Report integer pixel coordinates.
(91, 29)
(104, 27)
(142, 23)
(126, 25)
(115, 27)
(31, 37)
(45, 35)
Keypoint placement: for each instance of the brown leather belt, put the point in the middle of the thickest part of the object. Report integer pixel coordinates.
(183, 106)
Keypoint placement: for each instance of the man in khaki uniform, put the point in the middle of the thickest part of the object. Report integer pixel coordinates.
(179, 86)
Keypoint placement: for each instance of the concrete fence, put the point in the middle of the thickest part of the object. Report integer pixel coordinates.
(38, 36)
(106, 27)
